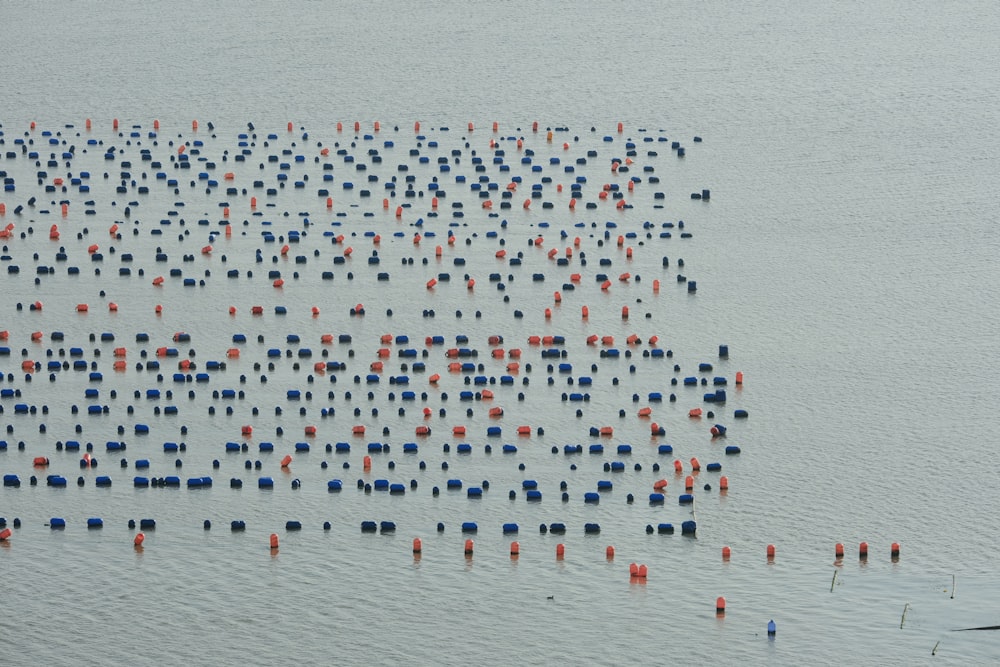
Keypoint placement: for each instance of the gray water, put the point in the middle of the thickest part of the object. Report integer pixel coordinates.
(844, 258)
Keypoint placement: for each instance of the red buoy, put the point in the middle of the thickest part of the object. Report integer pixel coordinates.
(726, 553)
(469, 546)
(609, 552)
(274, 541)
(417, 545)
(720, 605)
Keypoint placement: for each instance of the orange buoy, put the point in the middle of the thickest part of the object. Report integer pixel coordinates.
(515, 549)
(572, 203)
(863, 551)
(688, 483)
(114, 124)
(739, 377)
(206, 250)
(434, 378)
(527, 204)
(156, 124)
(695, 464)
(274, 541)
(310, 430)
(534, 126)
(694, 412)
(367, 462)
(723, 483)
(158, 280)
(557, 296)
(358, 429)
(548, 313)
(82, 308)
(585, 312)
(434, 203)
(605, 285)
(5, 534)
(770, 552)
(340, 126)
(93, 248)
(431, 283)
(194, 125)
(253, 203)
(423, 430)
(399, 214)
(120, 352)
(656, 286)
(279, 282)
(720, 605)
(139, 539)
(496, 126)
(469, 546)
(659, 485)
(609, 552)
(417, 545)
(633, 569)
(458, 430)
(27, 365)
(54, 232)
(726, 553)
(36, 335)
(88, 125)
(560, 551)
(643, 571)
(894, 551)
(471, 126)
(315, 311)
(624, 312)
(524, 430)
(329, 202)
(838, 551)
(40, 461)
(233, 353)
(621, 127)
(357, 126)
(607, 430)
(246, 430)
(416, 126)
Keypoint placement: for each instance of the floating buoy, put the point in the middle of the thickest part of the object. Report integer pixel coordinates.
(274, 541)
(609, 552)
(863, 551)
(515, 549)
(894, 551)
(139, 539)
(286, 461)
(560, 551)
(720, 606)
(417, 545)
(726, 553)
(838, 551)
(770, 552)
(469, 546)
(5, 534)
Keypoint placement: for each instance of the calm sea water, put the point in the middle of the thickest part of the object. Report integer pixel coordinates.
(845, 257)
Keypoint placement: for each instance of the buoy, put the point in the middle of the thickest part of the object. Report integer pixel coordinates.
(726, 553)
(894, 551)
(139, 539)
(274, 541)
(417, 545)
(739, 377)
(863, 551)
(367, 463)
(720, 605)
(5, 534)
(560, 551)
(723, 483)
(838, 551)
(772, 629)
(609, 552)
(515, 549)
(285, 461)
(469, 544)
(770, 552)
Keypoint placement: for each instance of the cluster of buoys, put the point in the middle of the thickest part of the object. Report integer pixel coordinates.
(315, 217)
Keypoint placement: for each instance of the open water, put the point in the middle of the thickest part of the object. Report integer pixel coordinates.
(846, 257)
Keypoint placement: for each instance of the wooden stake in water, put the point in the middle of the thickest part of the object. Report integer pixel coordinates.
(934, 650)
(903, 619)
(952, 587)
(834, 580)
